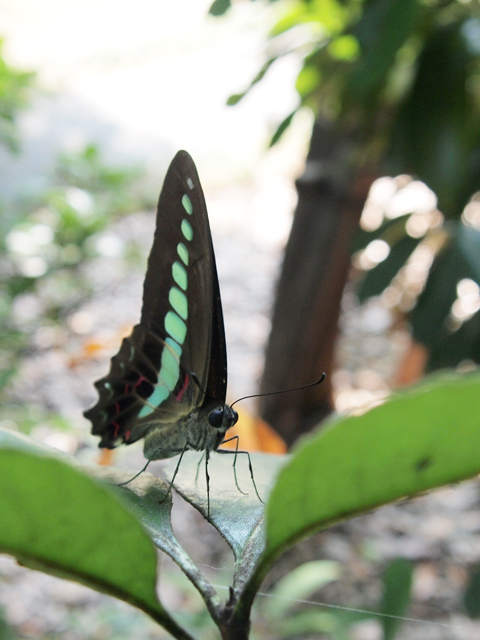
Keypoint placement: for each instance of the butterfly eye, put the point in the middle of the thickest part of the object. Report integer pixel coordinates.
(222, 417)
(215, 417)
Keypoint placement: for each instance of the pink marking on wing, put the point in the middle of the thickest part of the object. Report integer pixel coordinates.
(139, 381)
(126, 437)
(180, 394)
(117, 429)
(127, 388)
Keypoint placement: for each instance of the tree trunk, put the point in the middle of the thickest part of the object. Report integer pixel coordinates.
(314, 272)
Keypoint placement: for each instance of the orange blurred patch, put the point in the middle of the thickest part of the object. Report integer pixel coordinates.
(412, 367)
(255, 435)
(105, 458)
(93, 348)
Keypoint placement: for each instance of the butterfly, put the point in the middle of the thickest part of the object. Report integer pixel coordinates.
(168, 382)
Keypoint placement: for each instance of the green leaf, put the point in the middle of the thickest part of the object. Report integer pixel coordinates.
(6, 632)
(390, 230)
(307, 80)
(377, 279)
(60, 521)
(309, 623)
(219, 7)
(300, 584)
(239, 517)
(419, 439)
(294, 14)
(282, 127)
(235, 98)
(448, 345)
(145, 496)
(469, 244)
(397, 583)
(382, 29)
(434, 136)
(345, 47)
(471, 597)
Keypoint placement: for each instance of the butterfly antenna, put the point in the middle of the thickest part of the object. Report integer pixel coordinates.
(272, 393)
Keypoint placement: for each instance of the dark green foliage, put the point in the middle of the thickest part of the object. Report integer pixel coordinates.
(397, 583)
(430, 319)
(6, 632)
(448, 342)
(377, 279)
(381, 31)
(402, 75)
(391, 231)
(436, 135)
(219, 7)
(281, 128)
(471, 597)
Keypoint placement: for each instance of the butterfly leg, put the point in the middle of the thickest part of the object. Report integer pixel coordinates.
(170, 484)
(207, 478)
(122, 484)
(235, 461)
(198, 467)
(250, 466)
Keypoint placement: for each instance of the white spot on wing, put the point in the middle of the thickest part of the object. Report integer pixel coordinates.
(190, 183)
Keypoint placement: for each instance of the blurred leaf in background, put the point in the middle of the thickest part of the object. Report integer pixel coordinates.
(55, 237)
(15, 90)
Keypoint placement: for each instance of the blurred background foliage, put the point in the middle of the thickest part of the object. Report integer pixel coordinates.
(15, 88)
(46, 252)
(47, 241)
(398, 84)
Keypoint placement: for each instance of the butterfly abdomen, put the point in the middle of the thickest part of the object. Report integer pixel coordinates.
(193, 432)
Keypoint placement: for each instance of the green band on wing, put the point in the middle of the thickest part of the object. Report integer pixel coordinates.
(187, 204)
(159, 394)
(182, 252)
(187, 230)
(170, 370)
(178, 300)
(175, 327)
(179, 274)
(174, 346)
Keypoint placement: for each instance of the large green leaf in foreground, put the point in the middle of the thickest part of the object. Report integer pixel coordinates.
(419, 439)
(56, 519)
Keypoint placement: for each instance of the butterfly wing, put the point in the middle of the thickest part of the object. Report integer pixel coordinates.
(181, 331)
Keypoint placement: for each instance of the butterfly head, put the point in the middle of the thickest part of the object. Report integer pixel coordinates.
(222, 417)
